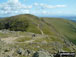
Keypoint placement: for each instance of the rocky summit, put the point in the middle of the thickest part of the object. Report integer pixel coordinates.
(30, 36)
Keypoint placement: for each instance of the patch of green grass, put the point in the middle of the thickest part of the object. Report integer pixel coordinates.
(33, 28)
(64, 27)
(67, 49)
(2, 35)
(23, 39)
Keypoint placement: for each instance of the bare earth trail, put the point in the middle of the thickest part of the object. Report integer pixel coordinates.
(11, 40)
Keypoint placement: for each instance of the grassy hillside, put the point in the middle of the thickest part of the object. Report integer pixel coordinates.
(28, 32)
(63, 27)
(49, 26)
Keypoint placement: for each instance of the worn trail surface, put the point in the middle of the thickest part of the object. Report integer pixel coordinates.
(10, 40)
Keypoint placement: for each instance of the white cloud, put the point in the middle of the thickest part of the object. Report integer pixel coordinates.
(51, 6)
(15, 1)
(61, 6)
(42, 5)
(26, 11)
(14, 7)
(36, 4)
(44, 12)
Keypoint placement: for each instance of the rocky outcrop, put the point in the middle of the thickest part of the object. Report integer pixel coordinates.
(41, 54)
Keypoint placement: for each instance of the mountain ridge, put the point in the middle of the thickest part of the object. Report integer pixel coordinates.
(27, 33)
(31, 23)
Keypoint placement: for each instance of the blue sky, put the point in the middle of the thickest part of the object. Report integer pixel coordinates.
(38, 7)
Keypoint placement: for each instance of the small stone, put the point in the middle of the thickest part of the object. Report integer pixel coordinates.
(20, 51)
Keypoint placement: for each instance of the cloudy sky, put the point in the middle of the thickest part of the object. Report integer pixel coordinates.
(38, 7)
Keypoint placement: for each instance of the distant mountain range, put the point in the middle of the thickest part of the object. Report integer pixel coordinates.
(70, 18)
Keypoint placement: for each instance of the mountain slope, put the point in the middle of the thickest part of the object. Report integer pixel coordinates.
(49, 26)
(33, 33)
(64, 27)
